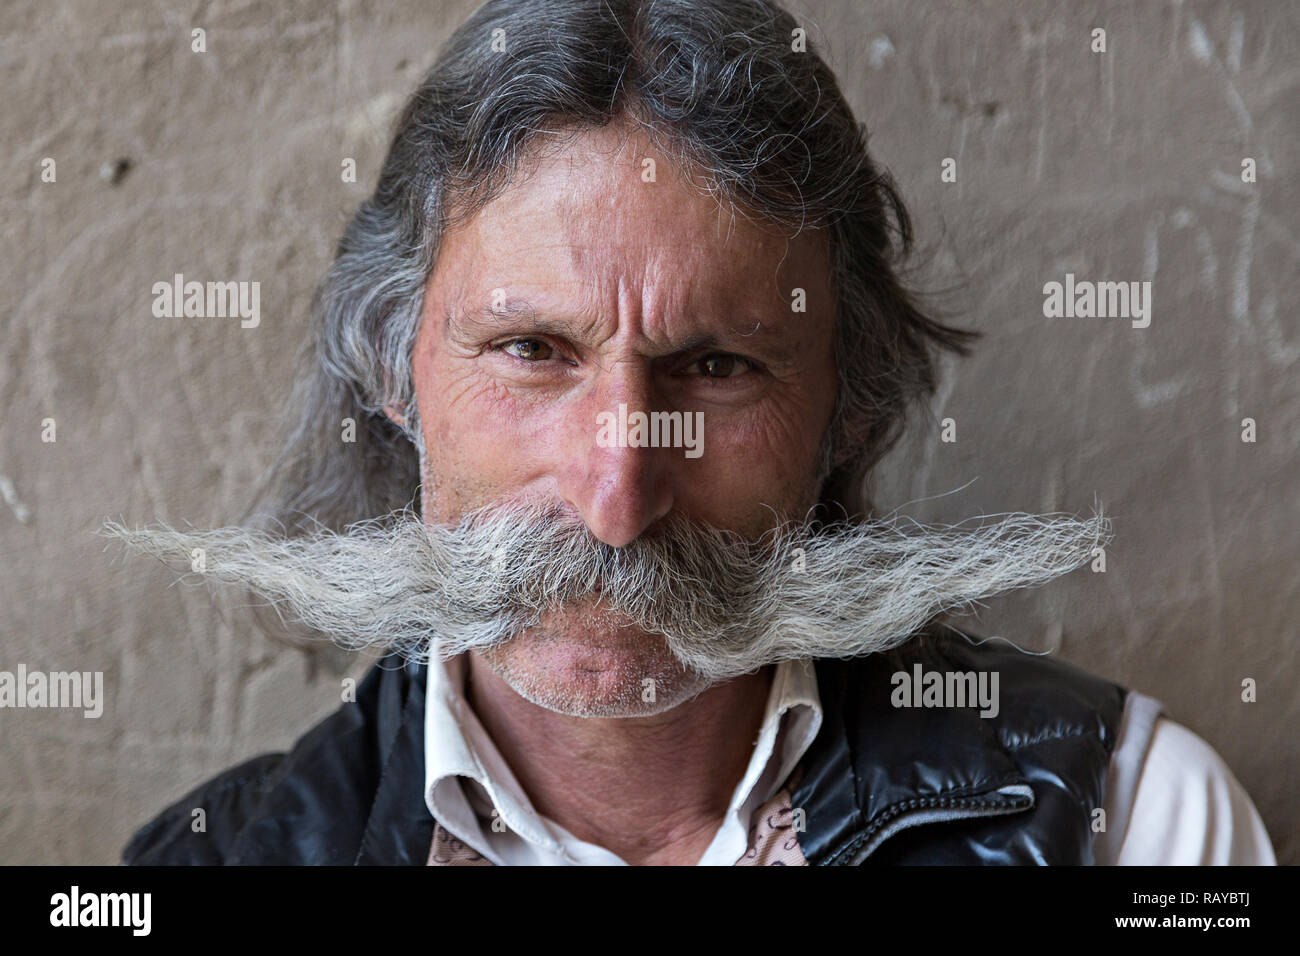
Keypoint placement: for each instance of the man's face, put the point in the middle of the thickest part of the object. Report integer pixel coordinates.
(583, 288)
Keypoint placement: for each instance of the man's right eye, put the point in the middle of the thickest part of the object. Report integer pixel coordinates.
(527, 349)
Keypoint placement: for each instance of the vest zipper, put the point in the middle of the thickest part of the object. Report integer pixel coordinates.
(922, 810)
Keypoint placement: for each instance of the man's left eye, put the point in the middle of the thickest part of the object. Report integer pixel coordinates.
(721, 365)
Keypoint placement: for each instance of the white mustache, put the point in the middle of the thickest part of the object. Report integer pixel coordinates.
(724, 604)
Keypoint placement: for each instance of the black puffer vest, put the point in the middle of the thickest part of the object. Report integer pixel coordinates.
(880, 784)
(890, 785)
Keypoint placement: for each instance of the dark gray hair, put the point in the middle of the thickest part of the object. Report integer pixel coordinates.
(720, 88)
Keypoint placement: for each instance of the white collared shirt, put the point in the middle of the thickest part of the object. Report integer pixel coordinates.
(466, 779)
(1182, 804)
(1189, 809)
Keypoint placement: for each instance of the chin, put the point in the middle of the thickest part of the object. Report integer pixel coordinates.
(585, 665)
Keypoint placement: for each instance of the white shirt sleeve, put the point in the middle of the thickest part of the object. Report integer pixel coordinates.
(1189, 809)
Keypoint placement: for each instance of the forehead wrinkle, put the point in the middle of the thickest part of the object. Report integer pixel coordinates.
(519, 315)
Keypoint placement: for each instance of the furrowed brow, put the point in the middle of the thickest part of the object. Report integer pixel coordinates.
(515, 316)
(519, 317)
(759, 340)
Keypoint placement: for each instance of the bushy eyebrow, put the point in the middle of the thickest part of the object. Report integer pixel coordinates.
(520, 317)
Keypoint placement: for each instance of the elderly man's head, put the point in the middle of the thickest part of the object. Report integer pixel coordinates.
(589, 286)
(605, 209)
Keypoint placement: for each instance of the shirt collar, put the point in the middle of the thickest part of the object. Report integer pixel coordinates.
(791, 721)
(457, 745)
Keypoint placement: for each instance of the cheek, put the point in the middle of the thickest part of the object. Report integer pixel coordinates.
(768, 453)
(481, 437)
(765, 457)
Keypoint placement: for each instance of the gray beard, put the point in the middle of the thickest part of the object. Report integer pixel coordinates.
(725, 605)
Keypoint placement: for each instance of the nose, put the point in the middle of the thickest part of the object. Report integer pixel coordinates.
(619, 487)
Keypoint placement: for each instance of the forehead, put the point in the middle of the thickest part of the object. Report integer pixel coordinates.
(603, 217)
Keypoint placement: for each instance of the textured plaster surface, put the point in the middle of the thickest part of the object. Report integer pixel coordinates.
(1119, 166)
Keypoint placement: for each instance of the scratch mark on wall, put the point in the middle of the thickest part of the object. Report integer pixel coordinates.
(1198, 42)
(1215, 583)
(1279, 351)
(1229, 183)
(1148, 394)
(1184, 218)
(10, 495)
(1235, 39)
(881, 50)
(1203, 50)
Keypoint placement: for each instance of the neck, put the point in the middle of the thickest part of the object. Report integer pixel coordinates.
(654, 790)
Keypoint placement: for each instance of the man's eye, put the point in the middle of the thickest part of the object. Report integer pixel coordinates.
(528, 349)
(721, 366)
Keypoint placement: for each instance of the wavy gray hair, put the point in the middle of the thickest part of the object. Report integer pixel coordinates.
(720, 89)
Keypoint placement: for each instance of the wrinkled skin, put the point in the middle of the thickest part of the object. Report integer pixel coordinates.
(651, 295)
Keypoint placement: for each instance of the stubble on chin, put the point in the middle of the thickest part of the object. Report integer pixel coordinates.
(585, 662)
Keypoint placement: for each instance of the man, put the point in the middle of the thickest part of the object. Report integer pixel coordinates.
(623, 308)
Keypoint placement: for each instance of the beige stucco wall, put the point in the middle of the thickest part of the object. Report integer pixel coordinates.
(1118, 166)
